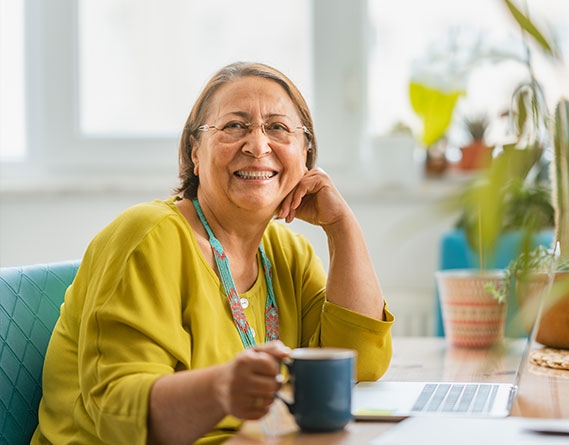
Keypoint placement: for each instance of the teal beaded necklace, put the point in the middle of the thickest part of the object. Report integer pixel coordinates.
(239, 318)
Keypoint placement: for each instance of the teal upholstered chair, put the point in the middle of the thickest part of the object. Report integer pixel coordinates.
(30, 298)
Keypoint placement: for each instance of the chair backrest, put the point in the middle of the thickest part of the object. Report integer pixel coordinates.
(30, 299)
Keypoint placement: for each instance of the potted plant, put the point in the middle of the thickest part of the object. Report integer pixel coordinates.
(476, 154)
(505, 210)
(471, 314)
(502, 213)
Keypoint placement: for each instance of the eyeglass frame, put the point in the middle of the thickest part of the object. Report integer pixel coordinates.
(250, 125)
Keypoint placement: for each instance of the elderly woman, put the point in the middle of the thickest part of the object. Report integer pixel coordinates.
(173, 329)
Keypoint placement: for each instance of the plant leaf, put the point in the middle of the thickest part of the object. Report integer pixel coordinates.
(522, 112)
(529, 27)
(560, 175)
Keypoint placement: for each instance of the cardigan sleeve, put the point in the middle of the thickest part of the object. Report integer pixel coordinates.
(371, 338)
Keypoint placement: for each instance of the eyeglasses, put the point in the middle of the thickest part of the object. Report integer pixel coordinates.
(277, 132)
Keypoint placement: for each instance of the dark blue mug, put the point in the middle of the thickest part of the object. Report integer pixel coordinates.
(322, 380)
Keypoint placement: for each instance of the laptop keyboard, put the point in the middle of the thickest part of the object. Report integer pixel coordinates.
(456, 398)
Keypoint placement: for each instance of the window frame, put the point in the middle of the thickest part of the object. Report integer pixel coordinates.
(55, 145)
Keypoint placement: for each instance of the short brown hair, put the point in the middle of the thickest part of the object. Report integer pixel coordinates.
(188, 181)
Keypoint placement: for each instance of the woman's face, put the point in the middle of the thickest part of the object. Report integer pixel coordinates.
(253, 170)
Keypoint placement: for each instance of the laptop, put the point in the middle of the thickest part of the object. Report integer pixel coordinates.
(392, 401)
(398, 400)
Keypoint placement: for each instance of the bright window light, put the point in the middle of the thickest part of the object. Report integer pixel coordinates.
(408, 32)
(142, 63)
(12, 80)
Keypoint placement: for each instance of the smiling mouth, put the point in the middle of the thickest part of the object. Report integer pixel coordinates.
(255, 174)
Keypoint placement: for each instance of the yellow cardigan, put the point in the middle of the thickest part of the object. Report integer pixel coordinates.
(146, 303)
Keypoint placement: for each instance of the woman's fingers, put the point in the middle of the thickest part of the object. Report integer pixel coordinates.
(284, 208)
(255, 380)
(315, 200)
(276, 348)
(308, 184)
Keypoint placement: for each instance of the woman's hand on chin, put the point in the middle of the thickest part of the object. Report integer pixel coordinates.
(315, 199)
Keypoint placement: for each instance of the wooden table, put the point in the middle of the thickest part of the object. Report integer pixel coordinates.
(542, 392)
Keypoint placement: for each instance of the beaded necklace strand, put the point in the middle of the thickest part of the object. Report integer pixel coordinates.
(239, 317)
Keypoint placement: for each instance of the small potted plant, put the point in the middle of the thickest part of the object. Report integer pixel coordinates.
(476, 154)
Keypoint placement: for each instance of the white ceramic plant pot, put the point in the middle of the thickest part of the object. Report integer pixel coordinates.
(472, 317)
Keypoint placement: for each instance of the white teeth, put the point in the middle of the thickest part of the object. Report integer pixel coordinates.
(255, 174)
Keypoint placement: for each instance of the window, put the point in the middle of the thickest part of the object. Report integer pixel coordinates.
(12, 102)
(109, 83)
(142, 64)
(104, 86)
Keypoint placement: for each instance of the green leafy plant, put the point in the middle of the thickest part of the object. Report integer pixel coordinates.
(538, 260)
(492, 203)
(504, 199)
(560, 177)
(531, 115)
(510, 194)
